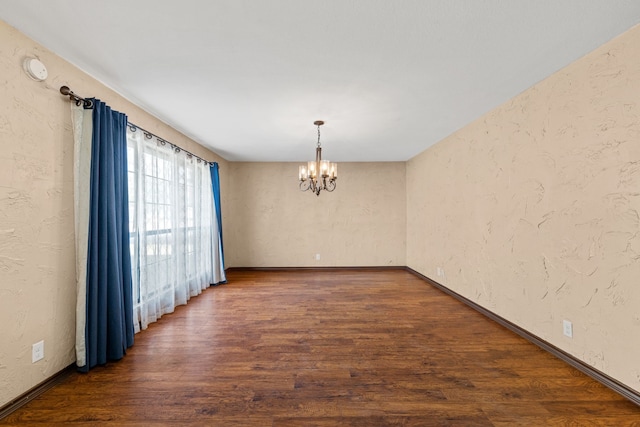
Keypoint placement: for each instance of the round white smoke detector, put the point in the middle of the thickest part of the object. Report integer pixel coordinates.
(35, 69)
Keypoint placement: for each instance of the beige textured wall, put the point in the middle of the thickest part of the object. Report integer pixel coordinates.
(533, 210)
(37, 267)
(362, 223)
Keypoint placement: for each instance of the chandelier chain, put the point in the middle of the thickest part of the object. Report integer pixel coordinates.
(318, 136)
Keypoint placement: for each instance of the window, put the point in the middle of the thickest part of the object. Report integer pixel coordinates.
(172, 226)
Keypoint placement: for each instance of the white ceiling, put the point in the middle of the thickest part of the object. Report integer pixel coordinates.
(390, 78)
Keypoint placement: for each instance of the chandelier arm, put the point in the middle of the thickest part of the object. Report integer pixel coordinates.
(331, 186)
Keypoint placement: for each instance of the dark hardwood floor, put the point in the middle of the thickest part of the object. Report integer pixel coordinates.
(329, 348)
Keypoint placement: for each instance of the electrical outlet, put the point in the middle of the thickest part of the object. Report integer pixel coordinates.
(440, 271)
(567, 328)
(317, 257)
(37, 351)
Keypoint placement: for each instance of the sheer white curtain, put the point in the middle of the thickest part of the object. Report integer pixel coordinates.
(82, 134)
(172, 225)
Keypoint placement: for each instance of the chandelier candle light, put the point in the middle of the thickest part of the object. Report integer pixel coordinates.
(320, 174)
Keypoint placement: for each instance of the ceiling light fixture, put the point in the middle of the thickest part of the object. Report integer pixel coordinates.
(320, 174)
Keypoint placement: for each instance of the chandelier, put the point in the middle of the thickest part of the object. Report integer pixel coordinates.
(319, 174)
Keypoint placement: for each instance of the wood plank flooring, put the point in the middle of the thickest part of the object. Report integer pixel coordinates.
(329, 348)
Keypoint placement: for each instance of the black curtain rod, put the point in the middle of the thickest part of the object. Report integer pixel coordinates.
(89, 104)
(176, 148)
(78, 99)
